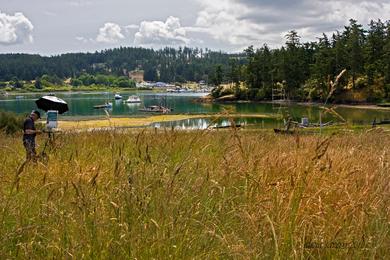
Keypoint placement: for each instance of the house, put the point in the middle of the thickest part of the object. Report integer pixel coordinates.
(137, 75)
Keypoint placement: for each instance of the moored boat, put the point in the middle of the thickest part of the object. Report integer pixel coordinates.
(155, 109)
(133, 99)
(118, 96)
(382, 122)
(106, 105)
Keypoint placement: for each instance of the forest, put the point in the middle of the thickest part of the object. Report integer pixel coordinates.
(305, 71)
(300, 70)
(168, 64)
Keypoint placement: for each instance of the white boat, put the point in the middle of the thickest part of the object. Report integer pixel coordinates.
(133, 99)
(117, 96)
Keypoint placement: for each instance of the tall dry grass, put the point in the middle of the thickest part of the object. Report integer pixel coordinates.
(227, 194)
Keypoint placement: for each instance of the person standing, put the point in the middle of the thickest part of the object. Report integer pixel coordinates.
(29, 134)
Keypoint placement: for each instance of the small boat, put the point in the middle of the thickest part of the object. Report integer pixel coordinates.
(227, 126)
(117, 96)
(283, 131)
(155, 109)
(107, 105)
(19, 97)
(382, 122)
(133, 99)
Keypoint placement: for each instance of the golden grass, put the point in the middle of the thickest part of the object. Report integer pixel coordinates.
(185, 195)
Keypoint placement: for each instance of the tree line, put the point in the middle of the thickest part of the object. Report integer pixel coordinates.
(300, 70)
(304, 71)
(167, 65)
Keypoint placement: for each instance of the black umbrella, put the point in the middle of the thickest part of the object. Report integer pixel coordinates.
(52, 103)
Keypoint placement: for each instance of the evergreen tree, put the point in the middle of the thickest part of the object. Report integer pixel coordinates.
(292, 63)
(324, 65)
(374, 50)
(354, 46)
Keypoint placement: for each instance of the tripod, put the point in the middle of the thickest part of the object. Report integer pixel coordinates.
(43, 156)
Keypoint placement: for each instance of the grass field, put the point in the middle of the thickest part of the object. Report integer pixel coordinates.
(203, 194)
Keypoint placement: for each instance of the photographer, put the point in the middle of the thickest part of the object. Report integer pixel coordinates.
(29, 134)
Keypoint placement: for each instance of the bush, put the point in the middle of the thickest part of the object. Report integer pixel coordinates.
(124, 82)
(216, 92)
(263, 94)
(242, 94)
(10, 123)
(387, 91)
(312, 90)
(52, 80)
(30, 88)
(76, 82)
(376, 92)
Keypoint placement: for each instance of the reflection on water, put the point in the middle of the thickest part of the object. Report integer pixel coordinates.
(204, 123)
(118, 102)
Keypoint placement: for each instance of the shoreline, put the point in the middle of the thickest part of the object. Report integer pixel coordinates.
(371, 106)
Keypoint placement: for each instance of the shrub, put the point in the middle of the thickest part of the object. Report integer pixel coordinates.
(376, 91)
(76, 82)
(216, 92)
(10, 123)
(387, 91)
(312, 90)
(242, 94)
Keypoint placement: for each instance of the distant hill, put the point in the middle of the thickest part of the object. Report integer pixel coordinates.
(168, 65)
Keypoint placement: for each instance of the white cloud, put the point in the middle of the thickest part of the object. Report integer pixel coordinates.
(240, 23)
(362, 11)
(15, 29)
(82, 39)
(129, 29)
(132, 26)
(48, 13)
(110, 33)
(225, 21)
(159, 34)
(79, 3)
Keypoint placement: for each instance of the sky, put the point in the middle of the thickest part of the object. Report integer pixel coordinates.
(51, 27)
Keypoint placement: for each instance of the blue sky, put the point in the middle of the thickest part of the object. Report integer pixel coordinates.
(50, 27)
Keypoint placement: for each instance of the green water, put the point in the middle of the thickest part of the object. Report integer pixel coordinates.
(81, 105)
